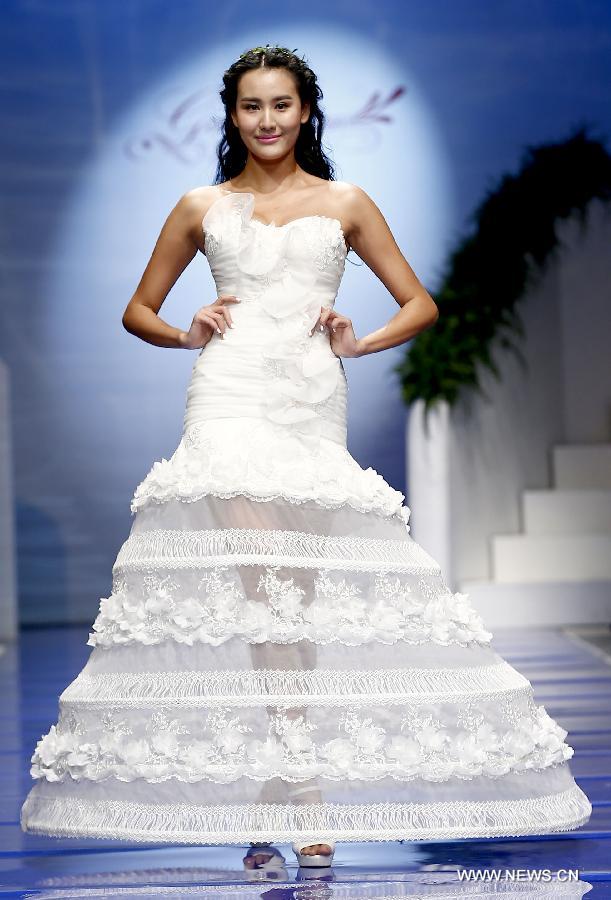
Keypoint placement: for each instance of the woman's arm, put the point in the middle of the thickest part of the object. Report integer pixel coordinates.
(372, 239)
(177, 244)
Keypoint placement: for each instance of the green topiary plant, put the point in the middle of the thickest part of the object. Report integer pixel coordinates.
(488, 272)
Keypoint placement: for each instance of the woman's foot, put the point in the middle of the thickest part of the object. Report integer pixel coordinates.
(320, 854)
(313, 849)
(314, 854)
(263, 856)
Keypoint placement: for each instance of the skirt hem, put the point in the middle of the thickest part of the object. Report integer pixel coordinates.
(186, 824)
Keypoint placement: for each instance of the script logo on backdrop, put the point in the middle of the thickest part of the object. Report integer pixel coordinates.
(126, 400)
(186, 132)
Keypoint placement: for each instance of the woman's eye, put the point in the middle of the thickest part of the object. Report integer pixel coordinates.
(254, 105)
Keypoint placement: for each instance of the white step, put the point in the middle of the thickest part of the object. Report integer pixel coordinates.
(567, 511)
(542, 604)
(582, 466)
(532, 558)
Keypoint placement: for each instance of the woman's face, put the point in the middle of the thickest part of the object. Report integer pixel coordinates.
(268, 105)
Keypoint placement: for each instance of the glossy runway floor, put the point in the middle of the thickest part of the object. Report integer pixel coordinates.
(571, 678)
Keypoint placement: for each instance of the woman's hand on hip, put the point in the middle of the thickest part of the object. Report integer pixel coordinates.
(341, 333)
(207, 320)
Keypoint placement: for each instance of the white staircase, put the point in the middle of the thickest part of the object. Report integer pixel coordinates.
(558, 570)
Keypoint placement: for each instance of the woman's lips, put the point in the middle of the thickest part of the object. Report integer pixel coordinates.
(269, 140)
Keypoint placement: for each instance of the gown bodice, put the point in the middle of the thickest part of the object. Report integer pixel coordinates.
(266, 405)
(268, 365)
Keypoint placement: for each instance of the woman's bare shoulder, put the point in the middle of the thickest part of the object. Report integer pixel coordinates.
(199, 200)
(351, 203)
(191, 209)
(349, 193)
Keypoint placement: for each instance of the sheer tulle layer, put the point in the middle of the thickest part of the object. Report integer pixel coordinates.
(530, 803)
(253, 654)
(277, 514)
(278, 572)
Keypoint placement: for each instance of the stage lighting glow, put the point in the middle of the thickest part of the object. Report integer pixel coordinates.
(121, 401)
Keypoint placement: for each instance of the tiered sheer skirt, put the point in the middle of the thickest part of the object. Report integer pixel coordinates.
(273, 670)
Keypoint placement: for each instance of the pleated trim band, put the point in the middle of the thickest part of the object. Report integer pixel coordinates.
(235, 824)
(293, 687)
(175, 549)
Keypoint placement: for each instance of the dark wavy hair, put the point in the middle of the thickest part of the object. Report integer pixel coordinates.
(231, 151)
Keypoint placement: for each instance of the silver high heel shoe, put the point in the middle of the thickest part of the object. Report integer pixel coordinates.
(313, 859)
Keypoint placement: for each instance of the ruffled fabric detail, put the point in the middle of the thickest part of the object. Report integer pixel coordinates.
(218, 610)
(225, 750)
(303, 374)
(303, 370)
(264, 462)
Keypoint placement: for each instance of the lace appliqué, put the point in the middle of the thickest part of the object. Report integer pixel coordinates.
(211, 244)
(214, 239)
(326, 243)
(219, 609)
(224, 748)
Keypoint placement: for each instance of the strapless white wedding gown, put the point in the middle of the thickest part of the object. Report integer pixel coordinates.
(279, 659)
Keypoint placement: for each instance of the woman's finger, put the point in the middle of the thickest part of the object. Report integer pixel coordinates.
(218, 319)
(227, 315)
(208, 320)
(334, 317)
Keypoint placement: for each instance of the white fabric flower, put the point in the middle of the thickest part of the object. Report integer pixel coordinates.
(266, 754)
(52, 745)
(518, 743)
(165, 742)
(134, 752)
(230, 739)
(197, 754)
(189, 613)
(431, 738)
(369, 737)
(339, 752)
(405, 750)
(159, 601)
(468, 750)
(296, 738)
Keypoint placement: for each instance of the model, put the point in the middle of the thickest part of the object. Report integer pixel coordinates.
(279, 660)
